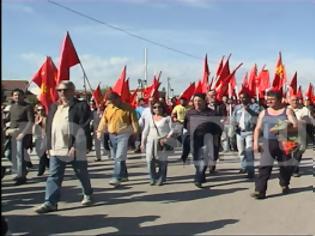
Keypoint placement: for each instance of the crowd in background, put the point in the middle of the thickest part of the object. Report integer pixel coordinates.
(205, 126)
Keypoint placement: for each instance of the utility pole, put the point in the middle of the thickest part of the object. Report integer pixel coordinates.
(145, 67)
(168, 88)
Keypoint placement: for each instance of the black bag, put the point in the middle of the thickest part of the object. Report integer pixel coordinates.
(164, 146)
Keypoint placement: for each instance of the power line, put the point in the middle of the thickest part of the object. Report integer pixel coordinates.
(123, 30)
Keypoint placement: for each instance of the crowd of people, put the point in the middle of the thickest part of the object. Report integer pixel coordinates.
(205, 126)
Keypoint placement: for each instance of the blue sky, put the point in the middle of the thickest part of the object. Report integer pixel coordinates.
(253, 31)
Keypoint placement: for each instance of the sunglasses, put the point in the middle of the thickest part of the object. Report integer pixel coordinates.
(157, 107)
(59, 90)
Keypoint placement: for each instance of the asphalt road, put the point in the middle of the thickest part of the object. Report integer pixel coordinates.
(222, 207)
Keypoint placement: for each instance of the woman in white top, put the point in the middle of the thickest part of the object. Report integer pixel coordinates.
(156, 139)
(39, 132)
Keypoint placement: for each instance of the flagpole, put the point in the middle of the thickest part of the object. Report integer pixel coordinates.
(145, 67)
(257, 95)
(85, 79)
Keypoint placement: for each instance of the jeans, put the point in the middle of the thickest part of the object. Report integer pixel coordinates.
(119, 148)
(225, 139)
(162, 170)
(245, 151)
(97, 145)
(18, 162)
(56, 174)
(7, 149)
(203, 155)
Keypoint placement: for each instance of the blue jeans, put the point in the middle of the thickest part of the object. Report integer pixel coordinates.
(18, 162)
(162, 172)
(56, 174)
(119, 149)
(245, 151)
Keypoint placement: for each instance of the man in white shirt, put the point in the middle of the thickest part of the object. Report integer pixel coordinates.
(304, 117)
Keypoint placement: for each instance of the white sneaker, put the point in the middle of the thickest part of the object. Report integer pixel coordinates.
(87, 200)
(114, 182)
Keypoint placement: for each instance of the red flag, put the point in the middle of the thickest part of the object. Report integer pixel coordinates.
(97, 95)
(220, 66)
(224, 73)
(152, 90)
(68, 58)
(125, 96)
(310, 92)
(133, 99)
(45, 79)
(222, 89)
(198, 87)
(120, 83)
(211, 82)
(299, 93)
(245, 81)
(244, 85)
(233, 82)
(264, 82)
(293, 85)
(280, 75)
(155, 87)
(188, 92)
(205, 76)
(252, 81)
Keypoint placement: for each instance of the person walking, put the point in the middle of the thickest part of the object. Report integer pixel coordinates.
(244, 118)
(204, 131)
(67, 124)
(120, 121)
(276, 120)
(39, 131)
(21, 120)
(304, 118)
(157, 134)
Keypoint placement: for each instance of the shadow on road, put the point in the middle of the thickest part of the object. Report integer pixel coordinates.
(54, 224)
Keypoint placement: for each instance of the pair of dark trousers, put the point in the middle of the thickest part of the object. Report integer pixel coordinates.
(186, 147)
(272, 152)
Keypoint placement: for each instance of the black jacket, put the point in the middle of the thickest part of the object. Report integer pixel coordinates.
(79, 118)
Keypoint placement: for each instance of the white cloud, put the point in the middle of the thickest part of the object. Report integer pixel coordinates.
(17, 7)
(107, 69)
(33, 58)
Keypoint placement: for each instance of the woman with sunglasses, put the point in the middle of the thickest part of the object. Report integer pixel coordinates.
(156, 138)
(40, 139)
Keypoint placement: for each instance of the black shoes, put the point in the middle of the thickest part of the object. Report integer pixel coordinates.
(242, 171)
(29, 164)
(20, 181)
(198, 184)
(296, 174)
(251, 176)
(285, 189)
(212, 169)
(258, 195)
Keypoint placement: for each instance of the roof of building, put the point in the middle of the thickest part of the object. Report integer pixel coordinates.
(12, 84)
